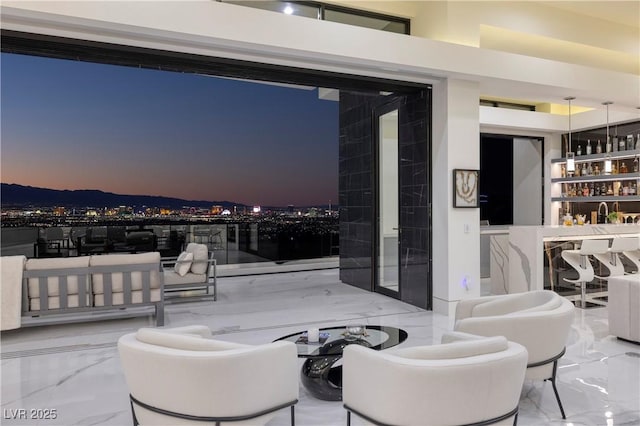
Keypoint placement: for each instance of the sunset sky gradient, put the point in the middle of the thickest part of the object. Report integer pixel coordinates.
(77, 125)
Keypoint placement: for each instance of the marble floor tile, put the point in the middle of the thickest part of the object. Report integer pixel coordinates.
(74, 369)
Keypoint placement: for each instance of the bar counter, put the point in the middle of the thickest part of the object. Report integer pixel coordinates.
(527, 247)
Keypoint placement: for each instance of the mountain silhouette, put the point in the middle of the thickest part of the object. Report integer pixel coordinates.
(14, 195)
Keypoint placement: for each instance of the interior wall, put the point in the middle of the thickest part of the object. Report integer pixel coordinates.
(456, 231)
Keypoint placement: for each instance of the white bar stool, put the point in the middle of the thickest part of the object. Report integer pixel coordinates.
(579, 260)
(634, 254)
(611, 260)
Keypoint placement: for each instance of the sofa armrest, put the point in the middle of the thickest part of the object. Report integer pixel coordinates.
(458, 336)
(464, 308)
(197, 330)
(469, 347)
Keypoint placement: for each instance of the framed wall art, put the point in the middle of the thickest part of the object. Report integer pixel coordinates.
(465, 188)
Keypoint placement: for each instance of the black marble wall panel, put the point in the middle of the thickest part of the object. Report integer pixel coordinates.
(355, 182)
(415, 240)
(357, 186)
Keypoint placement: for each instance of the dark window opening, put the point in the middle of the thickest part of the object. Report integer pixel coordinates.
(496, 179)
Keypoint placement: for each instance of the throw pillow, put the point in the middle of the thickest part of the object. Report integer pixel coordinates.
(200, 258)
(183, 264)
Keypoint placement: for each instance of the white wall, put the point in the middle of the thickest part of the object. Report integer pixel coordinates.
(456, 232)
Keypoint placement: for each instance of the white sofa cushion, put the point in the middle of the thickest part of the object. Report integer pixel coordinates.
(53, 286)
(54, 302)
(183, 263)
(624, 307)
(117, 282)
(118, 297)
(11, 269)
(200, 257)
(172, 278)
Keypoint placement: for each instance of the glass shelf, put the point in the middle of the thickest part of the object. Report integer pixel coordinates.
(596, 199)
(598, 178)
(616, 155)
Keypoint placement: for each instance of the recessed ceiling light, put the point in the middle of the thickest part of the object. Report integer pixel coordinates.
(288, 10)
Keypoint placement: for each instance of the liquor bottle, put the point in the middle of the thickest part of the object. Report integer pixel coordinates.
(633, 190)
(619, 188)
(603, 190)
(608, 145)
(610, 190)
(614, 169)
(625, 190)
(583, 172)
(597, 191)
(638, 141)
(635, 164)
(563, 171)
(621, 145)
(623, 168)
(585, 190)
(630, 144)
(592, 189)
(599, 147)
(596, 171)
(589, 170)
(588, 149)
(579, 150)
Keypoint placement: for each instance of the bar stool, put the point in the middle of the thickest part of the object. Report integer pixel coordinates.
(579, 260)
(611, 260)
(634, 254)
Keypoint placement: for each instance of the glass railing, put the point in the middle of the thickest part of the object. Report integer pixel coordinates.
(331, 12)
(278, 240)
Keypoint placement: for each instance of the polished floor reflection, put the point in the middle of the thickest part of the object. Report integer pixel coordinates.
(75, 370)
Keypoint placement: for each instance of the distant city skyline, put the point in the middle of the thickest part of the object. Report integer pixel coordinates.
(77, 125)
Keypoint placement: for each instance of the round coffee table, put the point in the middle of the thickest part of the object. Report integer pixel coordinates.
(319, 375)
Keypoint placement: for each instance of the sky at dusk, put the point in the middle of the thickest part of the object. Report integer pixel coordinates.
(78, 125)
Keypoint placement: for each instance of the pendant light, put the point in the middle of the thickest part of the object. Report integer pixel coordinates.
(571, 165)
(607, 159)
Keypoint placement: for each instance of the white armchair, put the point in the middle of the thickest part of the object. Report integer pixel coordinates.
(181, 376)
(538, 320)
(478, 381)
